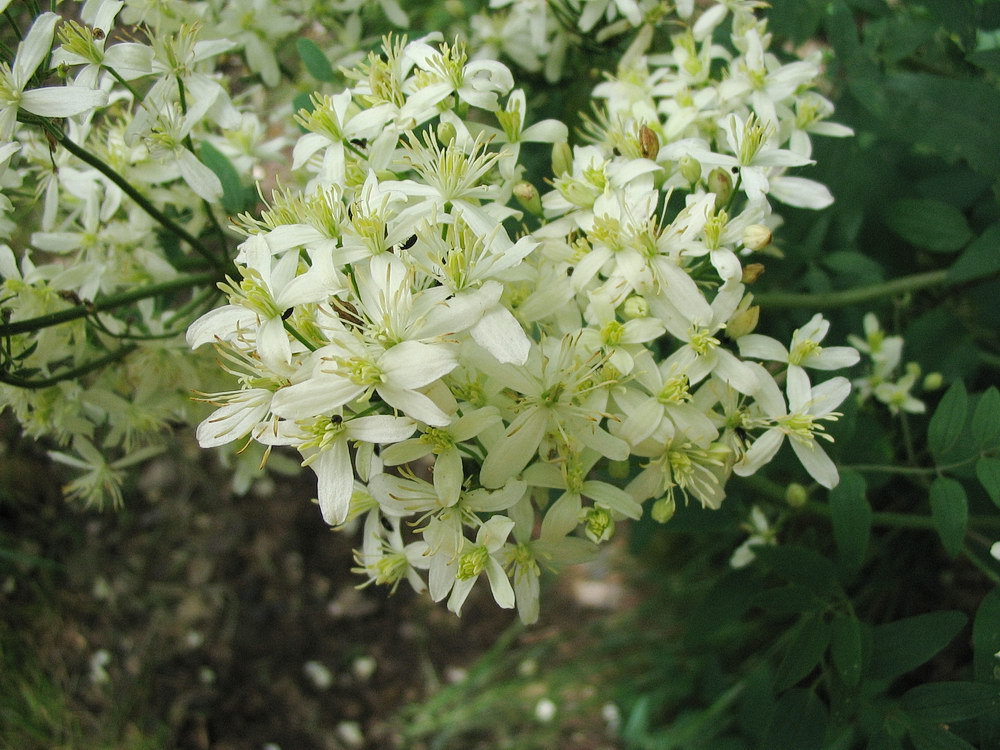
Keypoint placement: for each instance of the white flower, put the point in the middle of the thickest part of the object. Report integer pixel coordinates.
(804, 350)
(800, 422)
(323, 443)
(52, 101)
(474, 559)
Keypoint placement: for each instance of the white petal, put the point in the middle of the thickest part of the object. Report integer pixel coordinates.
(62, 101)
(816, 462)
(336, 482)
(762, 347)
(499, 333)
(199, 178)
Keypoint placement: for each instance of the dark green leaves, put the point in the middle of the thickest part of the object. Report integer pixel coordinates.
(979, 259)
(852, 520)
(808, 644)
(929, 224)
(903, 645)
(950, 511)
(315, 61)
(986, 418)
(948, 420)
(845, 648)
(988, 473)
(233, 194)
(941, 702)
(798, 722)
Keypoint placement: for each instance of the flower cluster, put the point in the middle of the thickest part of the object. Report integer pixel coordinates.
(461, 374)
(118, 131)
(881, 382)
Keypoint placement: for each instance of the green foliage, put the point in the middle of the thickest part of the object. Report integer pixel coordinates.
(852, 631)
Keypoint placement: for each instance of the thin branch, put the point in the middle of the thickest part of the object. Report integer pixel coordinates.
(108, 303)
(102, 167)
(69, 374)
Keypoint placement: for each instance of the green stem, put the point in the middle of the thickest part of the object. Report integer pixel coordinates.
(988, 358)
(849, 297)
(13, 25)
(131, 192)
(912, 470)
(69, 374)
(117, 76)
(984, 567)
(904, 520)
(108, 303)
(298, 336)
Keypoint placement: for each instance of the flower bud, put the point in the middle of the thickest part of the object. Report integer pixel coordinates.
(933, 381)
(720, 182)
(690, 169)
(743, 322)
(752, 272)
(562, 159)
(635, 306)
(527, 197)
(618, 469)
(664, 509)
(796, 495)
(446, 133)
(598, 524)
(649, 144)
(756, 237)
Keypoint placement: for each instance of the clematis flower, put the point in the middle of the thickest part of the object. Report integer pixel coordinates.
(51, 101)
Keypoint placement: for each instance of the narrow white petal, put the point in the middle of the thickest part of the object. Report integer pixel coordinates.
(336, 482)
(62, 101)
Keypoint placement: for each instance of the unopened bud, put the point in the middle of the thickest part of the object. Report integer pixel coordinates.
(752, 272)
(756, 237)
(598, 524)
(743, 322)
(562, 159)
(720, 182)
(527, 197)
(635, 307)
(649, 143)
(690, 169)
(933, 381)
(663, 509)
(446, 133)
(618, 469)
(796, 495)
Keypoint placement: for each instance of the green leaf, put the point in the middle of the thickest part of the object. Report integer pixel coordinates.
(787, 600)
(986, 419)
(798, 722)
(898, 647)
(948, 420)
(845, 648)
(808, 644)
(929, 224)
(233, 195)
(980, 258)
(988, 59)
(800, 565)
(315, 61)
(941, 115)
(985, 645)
(933, 737)
(940, 342)
(942, 702)
(852, 520)
(884, 741)
(957, 16)
(950, 511)
(988, 473)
